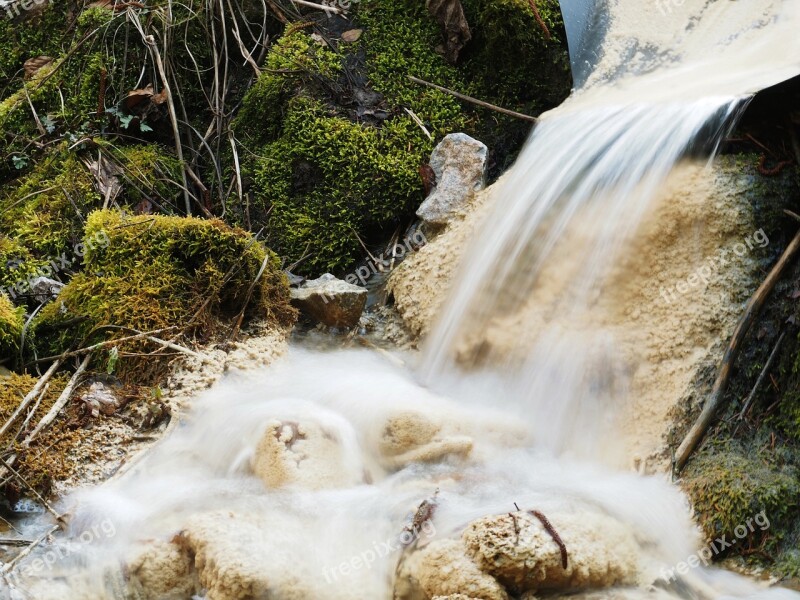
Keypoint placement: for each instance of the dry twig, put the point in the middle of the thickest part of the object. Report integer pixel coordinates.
(753, 307)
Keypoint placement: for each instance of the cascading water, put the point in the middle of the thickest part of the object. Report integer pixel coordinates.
(297, 482)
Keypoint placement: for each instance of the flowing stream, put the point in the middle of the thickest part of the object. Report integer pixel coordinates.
(297, 481)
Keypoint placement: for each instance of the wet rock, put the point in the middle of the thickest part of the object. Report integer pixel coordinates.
(163, 572)
(443, 569)
(99, 399)
(306, 455)
(331, 301)
(45, 289)
(459, 164)
(411, 436)
(518, 551)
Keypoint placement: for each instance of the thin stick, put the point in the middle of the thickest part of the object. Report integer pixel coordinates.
(318, 6)
(553, 534)
(173, 346)
(751, 310)
(419, 122)
(247, 297)
(539, 20)
(113, 342)
(475, 101)
(60, 403)
(9, 566)
(150, 42)
(761, 376)
(34, 393)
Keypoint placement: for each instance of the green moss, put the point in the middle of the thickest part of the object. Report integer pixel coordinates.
(327, 180)
(45, 210)
(400, 40)
(729, 486)
(291, 62)
(322, 179)
(40, 31)
(150, 273)
(534, 71)
(11, 323)
(325, 176)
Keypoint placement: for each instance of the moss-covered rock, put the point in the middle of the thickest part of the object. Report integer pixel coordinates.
(157, 272)
(730, 486)
(333, 125)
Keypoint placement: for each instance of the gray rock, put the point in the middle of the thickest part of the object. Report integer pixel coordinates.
(459, 163)
(330, 301)
(45, 289)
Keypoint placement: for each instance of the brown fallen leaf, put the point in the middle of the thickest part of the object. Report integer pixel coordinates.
(136, 97)
(428, 178)
(455, 29)
(106, 176)
(34, 64)
(352, 35)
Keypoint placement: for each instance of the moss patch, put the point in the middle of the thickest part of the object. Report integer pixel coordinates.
(336, 152)
(11, 323)
(158, 272)
(730, 486)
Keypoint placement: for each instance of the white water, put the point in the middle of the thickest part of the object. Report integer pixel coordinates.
(519, 430)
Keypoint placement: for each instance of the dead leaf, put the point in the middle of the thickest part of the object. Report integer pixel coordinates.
(795, 295)
(136, 97)
(428, 178)
(352, 35)
(455, 29)
(34, 64)
(106, 175)
(144, 207)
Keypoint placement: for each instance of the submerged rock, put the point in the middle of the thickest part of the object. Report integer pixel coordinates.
(499, 556)
(459, 163)
(442, 568)
(411, 436)
(519, 552)
(331, 301)
(305, 454)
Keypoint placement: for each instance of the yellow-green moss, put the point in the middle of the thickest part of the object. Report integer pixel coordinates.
(11, 323)
(156, 271)
(45, 210)
(325, 177)
(328, 180)
(729, 485)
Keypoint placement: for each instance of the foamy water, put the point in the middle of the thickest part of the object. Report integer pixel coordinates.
(278, 478)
